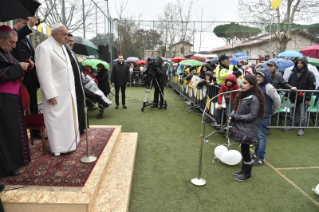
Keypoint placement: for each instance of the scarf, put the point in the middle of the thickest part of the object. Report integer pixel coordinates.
(249, 92)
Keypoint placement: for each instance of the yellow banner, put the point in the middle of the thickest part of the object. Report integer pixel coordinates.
(39, 28)
(48, 30)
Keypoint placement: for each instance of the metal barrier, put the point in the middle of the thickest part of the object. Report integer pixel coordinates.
(279, 120)
(136, 78)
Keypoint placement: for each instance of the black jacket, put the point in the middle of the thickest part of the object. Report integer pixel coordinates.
(160, 77)
(120, 74)
(103, 81)
(306, 81)
(278, 81)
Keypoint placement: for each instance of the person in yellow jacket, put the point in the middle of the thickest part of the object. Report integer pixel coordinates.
(223, 68)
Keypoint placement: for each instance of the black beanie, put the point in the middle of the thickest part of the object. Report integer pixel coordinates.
(222, 57)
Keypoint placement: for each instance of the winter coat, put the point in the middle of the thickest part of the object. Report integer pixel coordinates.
(277, 80)
(103, 81)
(222, 72)
(246, 120)
(225, 88)
(160, 77)
(272, 98)
(306, 81)
(120, 74)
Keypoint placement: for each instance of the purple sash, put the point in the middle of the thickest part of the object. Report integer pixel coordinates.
(10, 87)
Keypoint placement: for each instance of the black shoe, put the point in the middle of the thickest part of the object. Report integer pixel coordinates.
(124, 106)
(247, 172)
(117, 107)
(160, 107)
(38, 135)
(241, 171)
(154, 106)
(254, 156)
(14, 173)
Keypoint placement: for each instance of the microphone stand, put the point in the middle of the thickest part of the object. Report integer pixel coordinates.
(198, 180)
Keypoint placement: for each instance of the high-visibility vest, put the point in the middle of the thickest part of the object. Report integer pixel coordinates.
(222, 73)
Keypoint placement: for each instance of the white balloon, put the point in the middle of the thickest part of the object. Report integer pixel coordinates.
(72, 3)
(316, 190)
(220, 150)
(232, 157)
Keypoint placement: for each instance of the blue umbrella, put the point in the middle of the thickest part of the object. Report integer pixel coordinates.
(289, 53)
(233, 61)
(282, 64)
(240, 54)
(243, 58)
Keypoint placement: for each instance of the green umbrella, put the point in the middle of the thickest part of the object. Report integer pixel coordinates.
(313, 61)
(94, 62)
(191, 62)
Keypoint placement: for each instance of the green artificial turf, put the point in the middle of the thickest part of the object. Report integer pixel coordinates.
(167, 158)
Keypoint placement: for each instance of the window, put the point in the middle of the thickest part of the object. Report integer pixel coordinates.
(182, 50)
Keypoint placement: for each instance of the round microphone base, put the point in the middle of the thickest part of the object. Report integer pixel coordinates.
(198, 181)
(89, 159)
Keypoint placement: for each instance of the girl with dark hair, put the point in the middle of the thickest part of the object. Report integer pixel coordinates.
(248, 111)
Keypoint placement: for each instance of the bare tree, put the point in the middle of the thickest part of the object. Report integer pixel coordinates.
(50, 12)
(282, 20)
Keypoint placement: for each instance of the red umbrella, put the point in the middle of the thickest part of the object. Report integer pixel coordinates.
(198, 58)
(310, 51)
(178, 59)
(141, 62)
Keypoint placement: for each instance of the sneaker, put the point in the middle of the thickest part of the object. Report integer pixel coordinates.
(253, 156)
(258, 162)
(300, 132)
(188, 103)
(117, 107)
(214, 124)
(288, 129)
(124, 106)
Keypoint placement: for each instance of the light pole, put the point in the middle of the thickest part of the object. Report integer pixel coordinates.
(83, 18)
(72, 3)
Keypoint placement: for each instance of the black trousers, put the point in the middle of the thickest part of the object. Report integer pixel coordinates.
(245, 152)
(157, 94)
(117, 91)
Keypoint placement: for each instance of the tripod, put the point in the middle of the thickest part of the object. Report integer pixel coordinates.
(148, 90)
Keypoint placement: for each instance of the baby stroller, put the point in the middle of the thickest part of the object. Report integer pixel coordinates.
(95, 98)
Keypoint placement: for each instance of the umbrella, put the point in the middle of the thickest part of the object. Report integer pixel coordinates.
(84, 47)
(310, 68)
(198, 58)
(94, 62)
(188, 55)
(239, 54)
(191, 63)
(313, 61)
(178, 59)
(233, 61)
(282, 64)
(289, 53)
(14, 9)
(115, 61)
(205, 54)
(132, 59)
(311, 51)
(243, 58)
(213, 61)
(141, 62)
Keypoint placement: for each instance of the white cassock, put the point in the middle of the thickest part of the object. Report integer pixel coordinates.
(56, 79)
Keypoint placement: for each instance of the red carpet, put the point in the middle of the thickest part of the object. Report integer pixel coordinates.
(66, 170)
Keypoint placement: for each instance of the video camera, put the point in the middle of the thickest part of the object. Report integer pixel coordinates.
(152, 68)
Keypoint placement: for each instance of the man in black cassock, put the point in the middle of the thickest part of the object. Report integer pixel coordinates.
(78, 84)
(14, 146)
(24, 50)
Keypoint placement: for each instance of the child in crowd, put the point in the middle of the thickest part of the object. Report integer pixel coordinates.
(229, 85)
(272, 106)
(249, 71)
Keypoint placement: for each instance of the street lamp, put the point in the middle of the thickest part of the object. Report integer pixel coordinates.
(72, 4)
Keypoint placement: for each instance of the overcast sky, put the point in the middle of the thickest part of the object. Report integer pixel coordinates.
(225, 10)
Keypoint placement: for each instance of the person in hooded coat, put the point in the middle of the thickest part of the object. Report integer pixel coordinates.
(103, 79)
(272, 106)
(248, 110)
(302, 79)
(229, 85)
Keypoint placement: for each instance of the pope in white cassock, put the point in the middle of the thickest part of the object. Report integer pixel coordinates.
(56, 79)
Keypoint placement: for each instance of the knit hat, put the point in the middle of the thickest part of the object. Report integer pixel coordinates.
(222, 57)
(271, 62)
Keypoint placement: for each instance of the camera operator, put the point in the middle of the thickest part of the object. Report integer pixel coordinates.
(159, 86)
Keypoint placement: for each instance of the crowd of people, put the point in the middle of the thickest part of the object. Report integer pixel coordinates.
(249, 112)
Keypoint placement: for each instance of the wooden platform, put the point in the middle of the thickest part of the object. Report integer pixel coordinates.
(107, 189)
